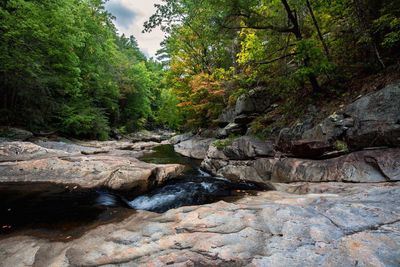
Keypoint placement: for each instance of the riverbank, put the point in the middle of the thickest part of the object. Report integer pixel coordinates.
(335, 200)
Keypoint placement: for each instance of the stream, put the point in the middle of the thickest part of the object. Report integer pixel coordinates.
(59, 212)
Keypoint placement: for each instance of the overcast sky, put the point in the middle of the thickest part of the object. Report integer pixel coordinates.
(130, 16)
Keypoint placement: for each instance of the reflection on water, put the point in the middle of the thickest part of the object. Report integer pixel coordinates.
(53, 211)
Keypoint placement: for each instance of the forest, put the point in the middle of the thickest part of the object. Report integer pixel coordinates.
(65, 68)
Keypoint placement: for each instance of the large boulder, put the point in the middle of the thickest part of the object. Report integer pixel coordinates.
(150, 136)
(227, 116)
(232, 129)
(358, 167)
(28, 162)
(196, 147)
(242, 148)
(372, 120)
(313, 149)
(17, 151)
(179, 138)
(117, 173)
(15, 134)
(359, 226)
(255, 101)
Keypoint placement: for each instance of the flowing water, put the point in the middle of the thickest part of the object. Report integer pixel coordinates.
(64, 212)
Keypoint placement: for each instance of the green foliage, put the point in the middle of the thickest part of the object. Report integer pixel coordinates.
(85, 121)
(221, 144)
(169, 113)
(64, 67)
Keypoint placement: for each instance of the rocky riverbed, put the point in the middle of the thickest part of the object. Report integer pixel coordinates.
(336, 197)
(357, 227)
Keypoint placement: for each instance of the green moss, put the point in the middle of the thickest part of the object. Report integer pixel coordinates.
(221, 144)
(341, 146)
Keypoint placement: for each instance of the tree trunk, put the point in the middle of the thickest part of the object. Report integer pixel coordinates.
(297, 32)
(321, 38)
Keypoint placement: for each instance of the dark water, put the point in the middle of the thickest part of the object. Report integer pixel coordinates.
(195, 187)
(53, 211)
(65, 212)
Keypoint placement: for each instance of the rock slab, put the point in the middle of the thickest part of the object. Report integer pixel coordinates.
(27, 162)
(358, 227)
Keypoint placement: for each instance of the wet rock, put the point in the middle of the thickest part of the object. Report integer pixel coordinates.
(14, 134)
(271, 229)
(194, 148)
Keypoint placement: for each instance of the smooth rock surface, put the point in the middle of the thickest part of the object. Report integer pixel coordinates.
(28, 162)
(360, 167)
(353, 228)
(17, 151)
(196, 147)
(118, 173)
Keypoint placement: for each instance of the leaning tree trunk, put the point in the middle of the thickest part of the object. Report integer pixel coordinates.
(321, 38)
(297, 32)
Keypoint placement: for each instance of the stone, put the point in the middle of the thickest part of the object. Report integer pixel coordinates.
(256, 101)
(180, 138)
(17, 151)
(117, 173)
(306, 148)
(69, 147)
(150, 136)
(28, 162)
(243, 148)
(232, 129)
(196, 147)
(354, 227)
(227, 116)
(15, 134)
(244, 119)
(369, 166)
(372, 120)
(376, 119)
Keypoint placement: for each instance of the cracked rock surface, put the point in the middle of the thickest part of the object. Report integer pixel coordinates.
(346, 225)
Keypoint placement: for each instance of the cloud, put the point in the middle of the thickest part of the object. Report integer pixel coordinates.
(124, 15)
(130, 16)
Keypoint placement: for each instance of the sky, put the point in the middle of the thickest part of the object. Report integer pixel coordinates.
(130, 16)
